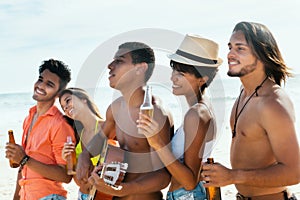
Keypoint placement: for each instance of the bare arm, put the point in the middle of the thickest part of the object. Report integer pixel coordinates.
(107, 131)
(278, 122)
(149, 182)
(144, 184)
(52, 172)
(195, 130)
(159, 178)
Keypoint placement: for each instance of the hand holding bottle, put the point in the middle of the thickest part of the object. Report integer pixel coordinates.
(68, 148)
(14, 152)
(12, 163)
(147, 106)
(149, 128)
(216, 175)
(69, 155)
(212, 193)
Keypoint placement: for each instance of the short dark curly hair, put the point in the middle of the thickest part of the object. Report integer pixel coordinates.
(60, 69)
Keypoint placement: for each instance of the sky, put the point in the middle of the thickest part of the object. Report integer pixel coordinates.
(33, 30)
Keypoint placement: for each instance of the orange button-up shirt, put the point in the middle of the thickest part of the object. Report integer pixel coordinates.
(44, 144)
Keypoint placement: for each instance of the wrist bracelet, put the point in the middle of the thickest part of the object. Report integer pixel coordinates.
(24, 160)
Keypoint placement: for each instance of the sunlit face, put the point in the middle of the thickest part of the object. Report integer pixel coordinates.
(184, 84)
(241, 60)
(121, 69)
(71, 105)
(46, 87)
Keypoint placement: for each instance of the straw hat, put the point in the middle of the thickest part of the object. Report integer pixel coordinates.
(197, 51)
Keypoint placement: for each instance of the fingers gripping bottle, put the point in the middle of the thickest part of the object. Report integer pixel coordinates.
(213, 193)
(12, 140)
(71, 159)
(147, 106)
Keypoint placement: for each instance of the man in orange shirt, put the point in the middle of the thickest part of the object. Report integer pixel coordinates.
(45, 130)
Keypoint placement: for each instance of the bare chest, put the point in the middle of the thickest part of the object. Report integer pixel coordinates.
(250, 147)
(126, 131)
(245, 118)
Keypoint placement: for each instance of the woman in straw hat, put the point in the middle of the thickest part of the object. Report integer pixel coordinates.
(194, 65)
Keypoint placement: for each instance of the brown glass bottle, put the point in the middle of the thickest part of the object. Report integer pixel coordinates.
(12, 140)
(71, 159)
(213, 193)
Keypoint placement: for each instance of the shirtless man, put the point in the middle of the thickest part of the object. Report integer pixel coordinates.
(264, 153)
(129, 71)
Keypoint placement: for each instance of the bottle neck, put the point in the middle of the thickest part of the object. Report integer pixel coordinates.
(11, 137)
(147, 97)
(210, 160)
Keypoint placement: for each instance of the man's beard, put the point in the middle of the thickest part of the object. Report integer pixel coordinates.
(245, 70)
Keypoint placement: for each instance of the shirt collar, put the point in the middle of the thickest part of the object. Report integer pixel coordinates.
(52, 111)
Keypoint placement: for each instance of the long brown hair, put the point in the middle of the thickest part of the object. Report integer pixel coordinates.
(265, 48)
(81, 94)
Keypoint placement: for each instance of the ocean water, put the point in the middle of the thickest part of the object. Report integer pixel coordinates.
(14, 107)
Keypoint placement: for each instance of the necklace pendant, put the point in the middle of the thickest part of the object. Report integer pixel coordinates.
(237, 114)
(233, 133)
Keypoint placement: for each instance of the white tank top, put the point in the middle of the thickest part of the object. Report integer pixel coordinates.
(179, 137)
